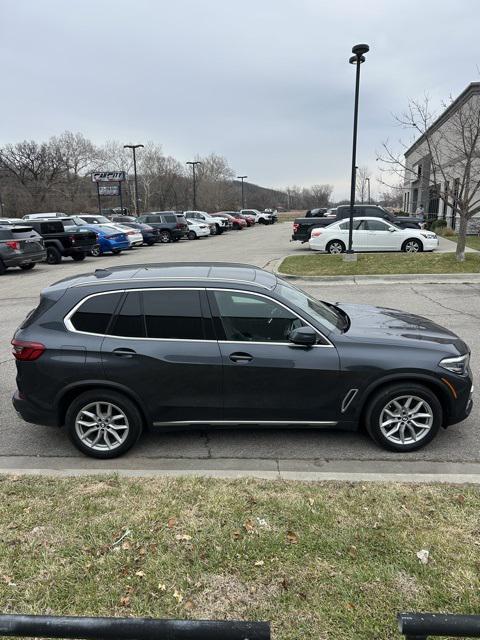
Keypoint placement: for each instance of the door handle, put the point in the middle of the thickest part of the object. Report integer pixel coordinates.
(124, 353)
(240, 357)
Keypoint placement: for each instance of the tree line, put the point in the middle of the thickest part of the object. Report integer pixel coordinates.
(55, 175)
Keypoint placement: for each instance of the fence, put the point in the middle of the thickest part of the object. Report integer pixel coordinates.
(131, 628)
(419, 626)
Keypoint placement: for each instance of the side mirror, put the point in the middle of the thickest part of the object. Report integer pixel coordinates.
(305, 336)
(391, 229)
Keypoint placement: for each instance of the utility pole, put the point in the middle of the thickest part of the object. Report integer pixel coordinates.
(133, 147)
(194, 164)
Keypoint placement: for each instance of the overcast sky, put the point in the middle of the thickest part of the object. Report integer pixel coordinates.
(265, 83)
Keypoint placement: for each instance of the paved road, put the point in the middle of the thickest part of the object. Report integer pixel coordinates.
(457, 306)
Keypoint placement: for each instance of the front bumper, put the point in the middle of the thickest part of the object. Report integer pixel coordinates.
(33, 414)
(462, 406)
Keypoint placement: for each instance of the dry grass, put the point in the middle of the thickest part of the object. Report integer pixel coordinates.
(330, 560)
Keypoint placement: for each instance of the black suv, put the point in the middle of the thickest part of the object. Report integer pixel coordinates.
(171, 225)
(109, 353)
(20, 246)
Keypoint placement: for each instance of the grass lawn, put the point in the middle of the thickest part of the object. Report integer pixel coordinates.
(317, 264)
(329, 560)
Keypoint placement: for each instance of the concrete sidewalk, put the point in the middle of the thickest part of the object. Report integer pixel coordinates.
(448, 246)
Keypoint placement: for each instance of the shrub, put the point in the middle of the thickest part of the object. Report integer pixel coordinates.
(439, 225)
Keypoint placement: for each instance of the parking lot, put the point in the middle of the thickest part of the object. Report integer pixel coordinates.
(456, 306)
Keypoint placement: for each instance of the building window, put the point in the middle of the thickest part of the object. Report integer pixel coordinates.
(433, 199)
(419, 171)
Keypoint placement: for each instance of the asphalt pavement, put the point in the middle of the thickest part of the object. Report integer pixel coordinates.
(242, 451)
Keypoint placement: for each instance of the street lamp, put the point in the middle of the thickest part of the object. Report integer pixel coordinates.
(358, 50)
(194, 164)
(133, 147)
(242, 178)
(368, 180)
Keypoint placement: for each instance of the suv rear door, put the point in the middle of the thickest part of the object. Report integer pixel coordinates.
(161, 346)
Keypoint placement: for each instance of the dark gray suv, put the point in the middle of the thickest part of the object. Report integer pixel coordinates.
(109, 353)
(20, 246)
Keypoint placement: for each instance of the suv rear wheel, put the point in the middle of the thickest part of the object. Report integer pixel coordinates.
(165, 236)
(3, 268)
(53, 255)
(403, 416)
(103, 423)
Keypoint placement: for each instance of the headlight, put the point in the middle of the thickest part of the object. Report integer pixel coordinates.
(430, 236)
(458, 365)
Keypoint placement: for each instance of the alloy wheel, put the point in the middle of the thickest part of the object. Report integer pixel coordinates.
(406, 419)
(164, 236)
(102, 426)
(335, 248)
(412, 246)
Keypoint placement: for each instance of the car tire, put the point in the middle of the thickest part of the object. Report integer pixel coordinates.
(165, 236)
(121, 406)
(219, 230)
(53, 256)
(191, 235)
(78, 257)
(335, 247)
(150, 243)
(383, 408)
(412, 245)
(96, 251)
(116, 252)
(27, 267)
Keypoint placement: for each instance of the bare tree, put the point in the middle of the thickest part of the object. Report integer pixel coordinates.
(363, 176)
(453, 151)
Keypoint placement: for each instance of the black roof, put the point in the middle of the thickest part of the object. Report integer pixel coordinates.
(174, 271)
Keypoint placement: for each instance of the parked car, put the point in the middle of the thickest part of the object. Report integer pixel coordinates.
(236, 223)
(109, 353)
(261, 217)
(89, 218)
(60, 243)
(249, 219)
(134, 236)
(43, 216)
(372, 234)
(20, 246)
(171, 228)
(197, 230)
(124, 219)
(316, 213)
(273, 213)
(218, 224)
(150, 235)
(109, 239)
(302, 227)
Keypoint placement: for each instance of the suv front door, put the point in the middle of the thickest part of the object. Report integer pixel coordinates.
(266, 378)
(160, 345)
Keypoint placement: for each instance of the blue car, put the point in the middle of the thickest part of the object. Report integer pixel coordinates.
(109, 239)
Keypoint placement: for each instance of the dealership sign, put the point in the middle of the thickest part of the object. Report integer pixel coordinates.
(108, 176)
(109, 190)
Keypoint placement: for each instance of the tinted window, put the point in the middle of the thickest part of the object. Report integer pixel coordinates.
(248, 318)
(376, 225)
(95, 313)
(171, 217)
(51, 227)
(173, 314)
(129, 320)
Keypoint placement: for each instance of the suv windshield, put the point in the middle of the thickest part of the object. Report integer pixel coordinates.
(328, 316)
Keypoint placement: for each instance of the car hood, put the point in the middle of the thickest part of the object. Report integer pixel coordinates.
(394, 326)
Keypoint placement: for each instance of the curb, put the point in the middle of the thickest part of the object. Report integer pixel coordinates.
(400, 278)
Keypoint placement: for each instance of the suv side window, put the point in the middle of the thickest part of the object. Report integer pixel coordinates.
(176, 315)
(249, 318)
(129, 321)
(170, 217)
(94, 315)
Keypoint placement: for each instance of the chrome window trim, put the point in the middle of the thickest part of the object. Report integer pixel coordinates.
(262, 295)
(69, 326)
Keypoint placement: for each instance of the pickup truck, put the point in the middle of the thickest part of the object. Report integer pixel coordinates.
(302, 227)
(60, 243)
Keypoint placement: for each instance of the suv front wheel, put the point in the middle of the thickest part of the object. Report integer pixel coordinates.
(103, 423)
(404, 416)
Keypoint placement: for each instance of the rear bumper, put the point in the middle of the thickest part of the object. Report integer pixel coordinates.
(33, 414)
(16, 260)
(178, 233)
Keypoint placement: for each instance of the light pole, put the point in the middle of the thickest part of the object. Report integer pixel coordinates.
(368, 180)
(358, 50)
(194, 164)
(242, 178)
(133, 147)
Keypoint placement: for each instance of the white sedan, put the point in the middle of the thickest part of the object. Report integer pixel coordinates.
(371, 234)
(197, 229)
(134, 236)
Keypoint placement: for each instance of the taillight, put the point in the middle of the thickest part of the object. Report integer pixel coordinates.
(315, 233)
(179, 225)
(13, 244)
(296, 225)
(27, 351)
